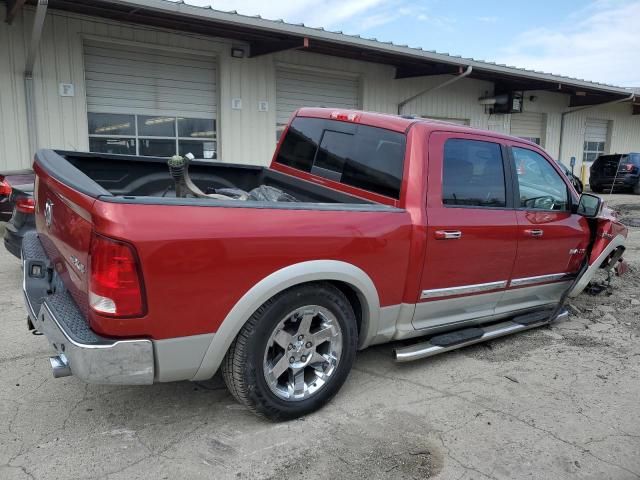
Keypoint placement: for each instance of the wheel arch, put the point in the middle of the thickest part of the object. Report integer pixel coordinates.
(350, 279)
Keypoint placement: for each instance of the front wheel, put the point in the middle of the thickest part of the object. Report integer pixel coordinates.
(294, 353)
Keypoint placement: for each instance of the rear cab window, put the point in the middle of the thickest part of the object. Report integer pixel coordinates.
(473, 174)
(361, 156)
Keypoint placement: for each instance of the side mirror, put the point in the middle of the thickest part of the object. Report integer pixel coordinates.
(589, 206)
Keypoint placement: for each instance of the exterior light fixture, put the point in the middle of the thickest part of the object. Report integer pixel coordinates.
(237, 52)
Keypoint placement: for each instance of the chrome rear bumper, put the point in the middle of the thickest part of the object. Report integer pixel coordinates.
(80, 351)
(127, 362)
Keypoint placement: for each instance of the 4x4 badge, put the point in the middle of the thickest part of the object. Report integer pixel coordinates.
(48, 213)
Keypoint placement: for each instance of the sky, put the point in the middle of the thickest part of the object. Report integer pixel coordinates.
(597, 40)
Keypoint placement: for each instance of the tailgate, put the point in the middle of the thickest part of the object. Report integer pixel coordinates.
(63, 222)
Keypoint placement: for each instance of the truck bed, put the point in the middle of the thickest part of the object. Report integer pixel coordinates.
(147, 180)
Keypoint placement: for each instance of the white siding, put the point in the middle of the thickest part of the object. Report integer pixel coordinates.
(457, 121)
(14, 149)
(624, 130)
(458, 100)
(297, 88)
(247, 135)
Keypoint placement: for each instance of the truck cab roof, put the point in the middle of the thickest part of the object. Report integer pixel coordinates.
(398, 123)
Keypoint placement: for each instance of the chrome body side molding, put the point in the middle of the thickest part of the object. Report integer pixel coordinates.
(463, 290)
(554, 277)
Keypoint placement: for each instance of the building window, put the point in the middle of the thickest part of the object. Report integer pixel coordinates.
(535, 140)
(152, 135)
(592, 150)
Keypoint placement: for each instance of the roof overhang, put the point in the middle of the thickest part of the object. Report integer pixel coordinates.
(268, 36)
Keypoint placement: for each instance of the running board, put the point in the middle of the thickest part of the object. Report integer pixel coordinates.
(470, 336)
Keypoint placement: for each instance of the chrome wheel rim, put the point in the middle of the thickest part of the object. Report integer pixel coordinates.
(302, 353)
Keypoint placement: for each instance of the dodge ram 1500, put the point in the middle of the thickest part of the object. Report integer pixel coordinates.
(392, 228)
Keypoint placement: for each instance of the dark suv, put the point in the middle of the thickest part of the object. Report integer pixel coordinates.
(618, 171)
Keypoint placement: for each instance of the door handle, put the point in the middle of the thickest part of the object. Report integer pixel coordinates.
(447, 234)
(534, 232)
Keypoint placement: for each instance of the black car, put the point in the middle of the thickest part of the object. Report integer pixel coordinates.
(19, 179)
(22, 220)
(618, 171)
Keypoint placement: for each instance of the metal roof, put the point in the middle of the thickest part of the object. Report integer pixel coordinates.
(266, 36)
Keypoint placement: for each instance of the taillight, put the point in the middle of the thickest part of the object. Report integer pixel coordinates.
(25, 205)
(5, 188)
(115, 282)
(346, 117)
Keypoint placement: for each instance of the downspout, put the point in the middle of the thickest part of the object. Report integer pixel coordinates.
(29, 91)
(460, 76)
(564, 114)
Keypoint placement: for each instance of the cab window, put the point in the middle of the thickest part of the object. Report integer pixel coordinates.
(361, 156)
(540, 186)
(473, 174)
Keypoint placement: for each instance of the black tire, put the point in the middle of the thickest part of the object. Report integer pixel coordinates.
(636, 188)
(242, 367)
(596, 189)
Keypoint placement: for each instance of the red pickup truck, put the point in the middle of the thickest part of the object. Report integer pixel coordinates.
(394, 228)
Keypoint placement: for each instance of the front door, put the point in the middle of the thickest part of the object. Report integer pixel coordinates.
(551, 240)
(471, 230)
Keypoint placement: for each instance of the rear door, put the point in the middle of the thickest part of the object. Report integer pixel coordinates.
(551, 240)
(471, 231)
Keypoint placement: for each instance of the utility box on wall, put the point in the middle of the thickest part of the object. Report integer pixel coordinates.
(513, 103)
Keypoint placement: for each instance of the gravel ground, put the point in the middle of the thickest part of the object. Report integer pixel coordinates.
(554, 403)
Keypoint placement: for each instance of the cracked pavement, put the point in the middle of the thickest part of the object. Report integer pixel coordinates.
(559, 402)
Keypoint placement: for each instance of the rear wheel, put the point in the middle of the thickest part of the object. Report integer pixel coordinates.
(596, 189)
(294, 353)
(636, 188)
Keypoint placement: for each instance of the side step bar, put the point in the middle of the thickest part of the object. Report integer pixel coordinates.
(470, 336)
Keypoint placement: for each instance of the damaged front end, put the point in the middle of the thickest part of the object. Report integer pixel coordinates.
(605, 253)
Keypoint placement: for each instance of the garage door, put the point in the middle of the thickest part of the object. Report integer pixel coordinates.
(150, 102)
(528, 125)
(298, 88)
(595, 138)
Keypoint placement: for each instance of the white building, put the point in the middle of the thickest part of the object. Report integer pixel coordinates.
(154, 77)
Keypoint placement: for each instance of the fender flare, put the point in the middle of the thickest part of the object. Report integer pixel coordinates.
(280, 280)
